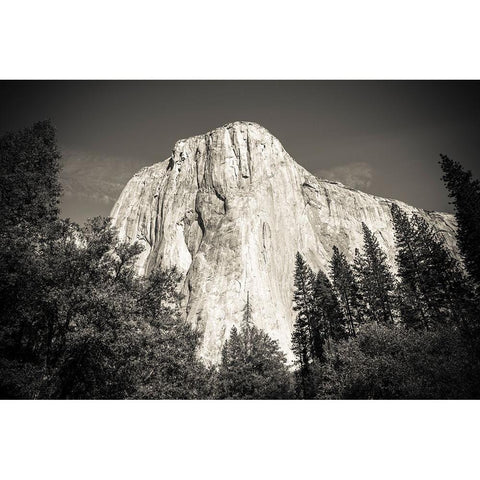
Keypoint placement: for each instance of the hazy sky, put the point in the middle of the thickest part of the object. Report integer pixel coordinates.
(381, 137)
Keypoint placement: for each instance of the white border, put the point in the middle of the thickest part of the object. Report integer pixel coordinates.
(238, 440)
(247, 39)
(239, 40)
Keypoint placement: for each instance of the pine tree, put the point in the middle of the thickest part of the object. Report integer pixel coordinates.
(345, 285)
(415, 306)
(359, 267)
(331, 323)
(309, 330)
(247, 312)
(433, 288)
(232, 363)
(247, 330)
(443, 277)
(375, 280)
(303, 298)
(301, 349)
(465, 192)
(253, 366)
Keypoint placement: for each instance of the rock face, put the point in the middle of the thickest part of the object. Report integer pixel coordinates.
(230, 209)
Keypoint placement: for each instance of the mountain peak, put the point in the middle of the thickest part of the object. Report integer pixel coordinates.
(246, 127)
(246, 124)
(230, 209)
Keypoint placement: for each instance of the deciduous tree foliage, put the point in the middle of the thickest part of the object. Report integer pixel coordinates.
(87, 327)
(29, 187)
(75, 320)
(385, 361)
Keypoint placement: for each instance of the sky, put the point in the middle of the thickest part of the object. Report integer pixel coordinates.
(382, 137)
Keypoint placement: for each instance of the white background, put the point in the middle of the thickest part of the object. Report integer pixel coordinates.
(239, 40)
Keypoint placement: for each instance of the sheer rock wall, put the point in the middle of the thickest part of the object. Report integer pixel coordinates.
(230, 209)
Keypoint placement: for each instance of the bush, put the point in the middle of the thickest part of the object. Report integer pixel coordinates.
(392, 362)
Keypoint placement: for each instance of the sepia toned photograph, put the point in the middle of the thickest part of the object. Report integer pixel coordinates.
(240, 239)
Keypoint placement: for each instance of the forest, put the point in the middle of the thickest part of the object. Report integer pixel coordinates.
(77, 323)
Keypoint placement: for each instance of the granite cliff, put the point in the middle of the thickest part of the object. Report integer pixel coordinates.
(230, 209)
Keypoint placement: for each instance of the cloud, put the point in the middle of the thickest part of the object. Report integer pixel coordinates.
(95, 177)
(357, 175)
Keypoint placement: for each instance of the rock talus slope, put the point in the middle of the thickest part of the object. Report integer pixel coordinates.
(230, 209)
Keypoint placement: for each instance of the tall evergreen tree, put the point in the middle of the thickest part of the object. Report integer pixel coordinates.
(231, 376)
(306, 338)
(247, 331)
(346, 287)
(359, 267)
(303, 300)
(433, 287)
(331, 323)
(416, 307)
(247, 312)
(465, 192)
(253, 366)
(375, 280)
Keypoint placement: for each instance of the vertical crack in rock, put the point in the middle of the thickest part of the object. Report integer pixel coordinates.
(327, 198)
(266, 240)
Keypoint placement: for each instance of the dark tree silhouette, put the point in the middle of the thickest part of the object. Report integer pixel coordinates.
(433, 288)
(465, 192)
(346, 288)
(375, 280)
(331, 323)
(29, 167)
(252, 366)
(303, 335)
(76, 322)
